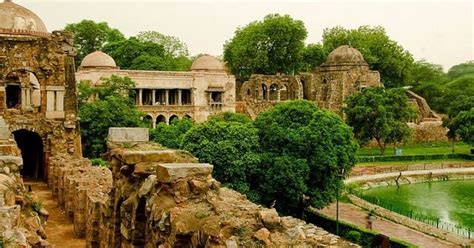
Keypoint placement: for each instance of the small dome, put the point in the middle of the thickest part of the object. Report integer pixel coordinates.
(98, 59)
(207, 63)
(17, 20)
(345, 55)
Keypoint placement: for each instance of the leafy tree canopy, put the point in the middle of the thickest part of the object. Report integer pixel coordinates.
(461, 70)
(380, 114)
(90, 36)
(314, 144)
(173, 46)
(313, 56)
(382, 53)
(463, 126)
(230, 117)
(171, 135)
(230, 147)
(274, 45)
(112, 108)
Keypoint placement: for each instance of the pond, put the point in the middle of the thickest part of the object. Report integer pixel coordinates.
(450, 201)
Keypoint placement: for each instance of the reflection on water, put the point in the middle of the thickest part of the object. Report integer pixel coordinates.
(451, 201)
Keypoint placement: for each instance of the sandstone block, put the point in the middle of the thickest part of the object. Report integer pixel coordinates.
(121, 134)
(170, 172)
(270, 218)
(263, 235)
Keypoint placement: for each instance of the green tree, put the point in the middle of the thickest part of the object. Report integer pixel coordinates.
(461, 70)
(314, 144)
(230, 147)
(90, 36)
(383, 54)
(171, 135)
(230, 117)
(112, 108)
(423, 72)
(125, 52)
(274, 45)
(173, 46)
(313, 56)
(379, 114)
(462, 126)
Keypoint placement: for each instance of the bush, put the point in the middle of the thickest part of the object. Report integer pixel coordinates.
(171, 135)
(99, 162)
(353, 236)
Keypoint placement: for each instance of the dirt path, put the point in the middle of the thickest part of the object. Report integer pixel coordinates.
(58, 228)
(355, 215)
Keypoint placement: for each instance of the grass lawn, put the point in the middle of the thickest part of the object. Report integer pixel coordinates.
(415, 149)
(415, 162)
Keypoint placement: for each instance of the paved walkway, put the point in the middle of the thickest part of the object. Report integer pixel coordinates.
(409, 173)
(357, 216)
(59, 229)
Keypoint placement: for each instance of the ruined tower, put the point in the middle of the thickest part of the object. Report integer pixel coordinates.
(37, 89)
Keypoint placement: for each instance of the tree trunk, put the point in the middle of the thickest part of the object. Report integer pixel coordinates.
(381, 146)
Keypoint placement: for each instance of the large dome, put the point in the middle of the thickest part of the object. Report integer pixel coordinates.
(345, 55)
(98, 59)
(207, 63)
(17, 20)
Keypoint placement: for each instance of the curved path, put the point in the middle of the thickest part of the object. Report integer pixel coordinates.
(409, 173)
(59, 229)
(352, 214)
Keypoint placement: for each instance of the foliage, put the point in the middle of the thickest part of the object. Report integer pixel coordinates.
(113, 107)
(274, 45)
(126, 51)
(419, 148)
(90, 36)
(382, 53)
(310, 141)
(379, 114)
(463, 126)
(99, 162)
(173, 46)
(36, 206)
(313, 56)
(230, 116)
(423, 71)
(461, 70)
(171, 135)
(230, 147)
(354, 236)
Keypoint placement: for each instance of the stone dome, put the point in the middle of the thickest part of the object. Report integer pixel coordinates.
(345, 55)
(207, 63)
(98, 59)
(17, 20)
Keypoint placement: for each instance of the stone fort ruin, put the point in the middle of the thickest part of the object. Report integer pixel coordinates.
(149, 197)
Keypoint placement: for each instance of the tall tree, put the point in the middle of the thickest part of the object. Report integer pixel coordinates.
(274, 45)
(379, 114)
(172, 45)
(313, 56)
(461, 70)
(125, 52)
(462, 126)
(112, 108)
(90, 36)
(382, 53)
(305, 150)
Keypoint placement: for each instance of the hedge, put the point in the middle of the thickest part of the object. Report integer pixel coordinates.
(392, 158)
(346, 231)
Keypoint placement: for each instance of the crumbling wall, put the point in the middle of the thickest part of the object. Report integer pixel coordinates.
(155, 197)
(428, 131)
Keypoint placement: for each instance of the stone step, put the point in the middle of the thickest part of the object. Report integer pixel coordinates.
(9, 149)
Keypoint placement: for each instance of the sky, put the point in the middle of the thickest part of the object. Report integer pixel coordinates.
(440, 32)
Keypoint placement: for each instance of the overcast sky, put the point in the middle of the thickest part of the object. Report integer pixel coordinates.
(438, 31)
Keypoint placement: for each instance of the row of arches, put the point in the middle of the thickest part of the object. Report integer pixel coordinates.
(153, 121)
(272, 89)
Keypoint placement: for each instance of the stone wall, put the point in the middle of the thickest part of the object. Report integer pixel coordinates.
(156, 197)
(428, 131)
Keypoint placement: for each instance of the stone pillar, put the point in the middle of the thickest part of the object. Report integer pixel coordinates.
(278, 94)
(193, 91)
(167, 97)
(140, 97)
(179, 96)
(153, 97)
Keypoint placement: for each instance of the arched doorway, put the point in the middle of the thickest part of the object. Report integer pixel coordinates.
(172, 118)
(160, 119)
(148, 120)
(31, 146)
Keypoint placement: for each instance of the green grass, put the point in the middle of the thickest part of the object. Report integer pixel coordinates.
(404, 163)
(415, 149)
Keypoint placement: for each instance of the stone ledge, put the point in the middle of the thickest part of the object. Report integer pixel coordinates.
(123, 134)
(167, 173)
